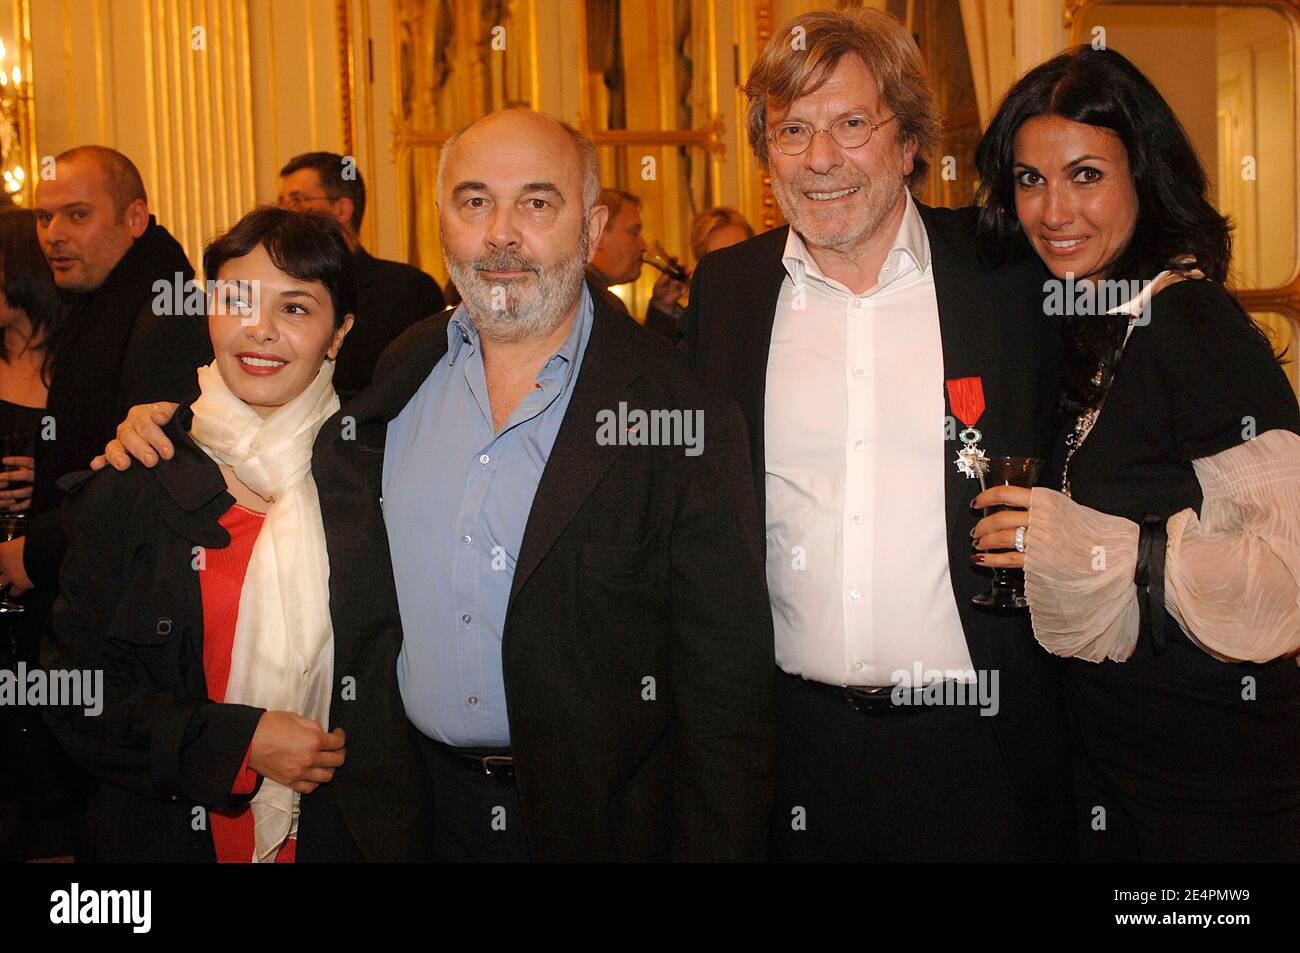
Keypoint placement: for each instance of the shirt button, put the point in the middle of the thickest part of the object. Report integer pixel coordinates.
(859, 373)
(858, 666)
(860, 446)
(484, 459)
(854, 594)
(857, 518)
(473, 699)
(467, 539)
(859, 302)
(465, 618)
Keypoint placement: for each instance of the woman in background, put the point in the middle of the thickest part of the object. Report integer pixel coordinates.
(39, 788)
(717, 227)
(1164, 562)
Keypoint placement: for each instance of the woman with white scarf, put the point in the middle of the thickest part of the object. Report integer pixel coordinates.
(221, 710)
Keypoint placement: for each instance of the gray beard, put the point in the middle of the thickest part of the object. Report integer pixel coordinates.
(518, 310)
(843, 232)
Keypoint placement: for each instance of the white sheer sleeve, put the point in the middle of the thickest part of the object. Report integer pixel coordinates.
(1079, 567)
(1232, 578)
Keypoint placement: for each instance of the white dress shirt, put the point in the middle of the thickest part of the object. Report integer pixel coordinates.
(857, 551)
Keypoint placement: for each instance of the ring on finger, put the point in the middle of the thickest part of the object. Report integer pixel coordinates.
(1020, 538)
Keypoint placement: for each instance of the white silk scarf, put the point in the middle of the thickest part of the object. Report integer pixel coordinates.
(283, 655)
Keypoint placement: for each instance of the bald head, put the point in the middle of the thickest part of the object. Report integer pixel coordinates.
(120, 178)
(89, 215)
(518, 216)
(522, 130)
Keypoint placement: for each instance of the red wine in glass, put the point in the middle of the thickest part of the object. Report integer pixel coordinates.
(12, 526)
(14, 445)
(1007, 590)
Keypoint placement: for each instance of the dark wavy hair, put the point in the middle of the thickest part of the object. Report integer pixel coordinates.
(307, 245)
(27, 282)
(1102, 88)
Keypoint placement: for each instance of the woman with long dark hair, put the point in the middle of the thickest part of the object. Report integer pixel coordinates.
(38, 788)
(29, 312)
(1163, 557)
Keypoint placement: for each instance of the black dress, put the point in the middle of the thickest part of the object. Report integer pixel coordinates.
(1187, 757)
(34, 771)
(17, 645)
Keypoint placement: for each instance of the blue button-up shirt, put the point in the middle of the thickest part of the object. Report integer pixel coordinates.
(457, 496)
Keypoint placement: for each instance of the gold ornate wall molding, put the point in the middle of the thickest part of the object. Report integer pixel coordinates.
(347, 85)
(710, 137)
(19, 110)
(769, 213)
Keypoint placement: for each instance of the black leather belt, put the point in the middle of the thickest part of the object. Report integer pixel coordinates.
(493, 762)
(879, 700)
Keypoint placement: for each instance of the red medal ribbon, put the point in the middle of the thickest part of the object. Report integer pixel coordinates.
(966, 397)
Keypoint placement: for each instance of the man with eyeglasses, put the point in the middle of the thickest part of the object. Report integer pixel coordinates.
(859, 341)
(391, 296)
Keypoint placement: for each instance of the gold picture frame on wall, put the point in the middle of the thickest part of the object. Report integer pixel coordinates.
(421, 39)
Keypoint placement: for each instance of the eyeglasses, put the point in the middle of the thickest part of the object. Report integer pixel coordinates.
(850, 132)
(296, 201)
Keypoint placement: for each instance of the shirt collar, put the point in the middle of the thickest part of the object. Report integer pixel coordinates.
(911, 247)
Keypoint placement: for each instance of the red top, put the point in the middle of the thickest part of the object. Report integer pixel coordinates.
(221, 581)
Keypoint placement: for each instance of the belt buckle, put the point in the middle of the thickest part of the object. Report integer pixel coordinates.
(504, 765)
(860, 698)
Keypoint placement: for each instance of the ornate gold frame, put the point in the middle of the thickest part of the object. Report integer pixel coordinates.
(345, 50)
(769, 212)
(1284, 299)
(710, 136)
(22, 27)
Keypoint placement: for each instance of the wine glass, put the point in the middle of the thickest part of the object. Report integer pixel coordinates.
(14, 445)
(12, 526)
(1007, 590)
(656, 257)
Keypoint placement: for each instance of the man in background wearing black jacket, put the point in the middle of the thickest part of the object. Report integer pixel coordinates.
(123, 341)
(391, 296)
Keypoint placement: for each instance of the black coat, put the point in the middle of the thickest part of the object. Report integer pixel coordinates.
(638, 576)
(993, 327)
(391, 297)
(131, 605)
(658, 323)
(114, 350)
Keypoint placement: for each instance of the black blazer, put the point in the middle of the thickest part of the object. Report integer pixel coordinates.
(391, 297)
(115, 351)
(658, 323)
(131, 605)
(993, 327)
(637, 648)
